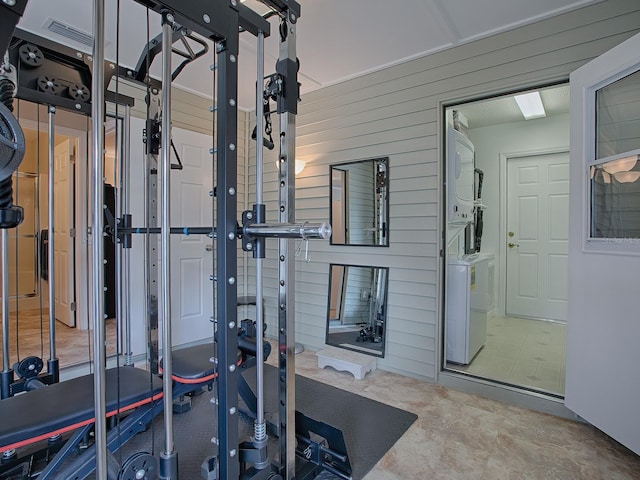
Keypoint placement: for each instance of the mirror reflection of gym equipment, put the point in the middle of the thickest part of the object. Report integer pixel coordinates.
(359, 206)
(357, 308)
(28, 243)
(500, 324)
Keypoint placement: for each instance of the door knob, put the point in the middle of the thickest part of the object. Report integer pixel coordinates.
(511, 244)
(208, 247)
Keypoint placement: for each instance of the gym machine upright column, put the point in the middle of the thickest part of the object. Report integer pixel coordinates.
(168, 457)
(226, 245)
(97, 246)
(52, 364)
(287, 68)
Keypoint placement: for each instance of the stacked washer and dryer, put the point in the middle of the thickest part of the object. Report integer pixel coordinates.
(470, 274)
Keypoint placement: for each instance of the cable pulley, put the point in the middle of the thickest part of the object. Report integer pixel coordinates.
(49, 84)
(31, 55)
(79, 92)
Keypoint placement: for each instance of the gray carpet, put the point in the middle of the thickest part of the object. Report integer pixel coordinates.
(370, 428)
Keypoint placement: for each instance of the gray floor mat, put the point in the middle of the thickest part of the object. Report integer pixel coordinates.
(370, 428)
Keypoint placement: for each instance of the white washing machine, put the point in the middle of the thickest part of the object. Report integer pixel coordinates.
(469, 303)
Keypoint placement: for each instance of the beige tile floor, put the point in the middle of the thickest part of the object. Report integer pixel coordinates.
(459, 436)
(72, 344)
(523, 352)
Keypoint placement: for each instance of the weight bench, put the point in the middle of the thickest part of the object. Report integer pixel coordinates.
(69, 406)
(192, 367)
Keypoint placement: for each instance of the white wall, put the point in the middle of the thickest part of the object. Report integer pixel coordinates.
(528, 136)
(398, 112)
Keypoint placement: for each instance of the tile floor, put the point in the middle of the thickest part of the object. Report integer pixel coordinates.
(459, 436)
(523, 352)
(72, 344)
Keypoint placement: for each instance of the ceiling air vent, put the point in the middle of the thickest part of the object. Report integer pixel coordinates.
(70, 32)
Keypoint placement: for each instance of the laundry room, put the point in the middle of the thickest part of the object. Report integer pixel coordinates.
(507, 255)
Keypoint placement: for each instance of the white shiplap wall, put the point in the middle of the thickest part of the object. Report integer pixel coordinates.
(397, 113)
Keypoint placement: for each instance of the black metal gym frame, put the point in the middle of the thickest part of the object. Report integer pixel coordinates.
(220, 21)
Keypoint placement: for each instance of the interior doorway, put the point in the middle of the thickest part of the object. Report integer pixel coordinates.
(506, 256)
(29, 271)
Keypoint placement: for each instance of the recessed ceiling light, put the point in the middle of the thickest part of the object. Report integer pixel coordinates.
(530, 105)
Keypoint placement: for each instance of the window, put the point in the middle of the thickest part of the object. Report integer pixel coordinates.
(615, 172)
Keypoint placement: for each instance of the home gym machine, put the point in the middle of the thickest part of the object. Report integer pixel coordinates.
(220, 21)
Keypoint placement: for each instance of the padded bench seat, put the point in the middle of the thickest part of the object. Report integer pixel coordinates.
(65, 406)
(193, 364)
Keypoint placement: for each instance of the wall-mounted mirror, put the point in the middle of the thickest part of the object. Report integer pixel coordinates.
(357, 308)
(359, 206)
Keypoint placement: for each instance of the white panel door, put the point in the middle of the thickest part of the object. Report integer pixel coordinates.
(537, 236)
(64, 265)
(603, 333)
(192, 262)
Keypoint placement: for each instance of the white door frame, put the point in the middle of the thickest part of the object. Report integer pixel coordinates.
(501, 305)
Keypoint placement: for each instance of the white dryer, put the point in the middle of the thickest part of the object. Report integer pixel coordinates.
(469, 302)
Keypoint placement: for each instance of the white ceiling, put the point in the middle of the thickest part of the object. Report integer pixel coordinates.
(504, 109)
(337, 39)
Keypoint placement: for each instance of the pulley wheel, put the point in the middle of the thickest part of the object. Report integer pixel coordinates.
(49, 84)
(29, 367)
(11, 143)
(31, 55)
(79, 92)
(139, 466)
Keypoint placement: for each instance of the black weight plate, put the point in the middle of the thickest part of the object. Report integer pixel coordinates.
(31, 55)
(29, 367)
(79, 92)
(48, 84)
(139, 466)
(11, 143)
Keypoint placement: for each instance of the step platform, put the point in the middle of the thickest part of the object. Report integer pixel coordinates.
(358, 364)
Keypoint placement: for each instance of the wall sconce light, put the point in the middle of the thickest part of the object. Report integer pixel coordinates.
(300, 164)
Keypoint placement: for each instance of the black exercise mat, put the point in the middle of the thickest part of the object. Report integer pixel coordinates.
(370, 428)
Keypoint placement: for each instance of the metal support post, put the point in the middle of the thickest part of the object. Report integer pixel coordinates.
(125, 202)
(97, 250)
(260, 428)
(52, 364)
(151, 244)
(51, 239)
(286, 272)
(226, 253)
(7, 371)
(168, 458)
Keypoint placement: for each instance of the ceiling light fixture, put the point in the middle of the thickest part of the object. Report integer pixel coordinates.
(530, 105)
